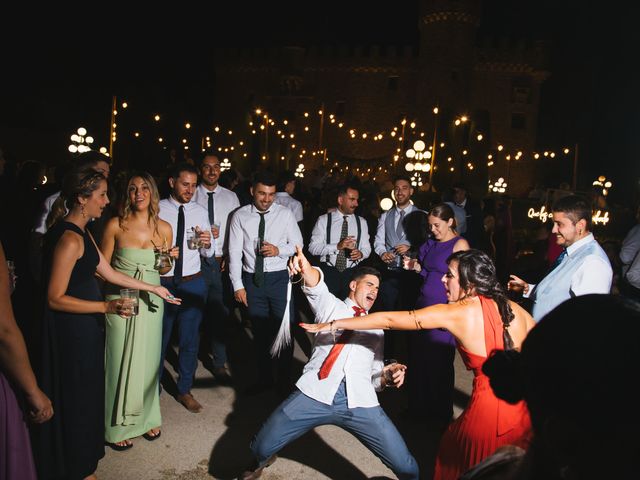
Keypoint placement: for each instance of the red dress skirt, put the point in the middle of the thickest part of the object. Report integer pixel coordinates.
(487, 423)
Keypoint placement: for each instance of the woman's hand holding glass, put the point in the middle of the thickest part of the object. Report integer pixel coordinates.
(410, 263)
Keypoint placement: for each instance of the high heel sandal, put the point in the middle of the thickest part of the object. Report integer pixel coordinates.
(150, 436)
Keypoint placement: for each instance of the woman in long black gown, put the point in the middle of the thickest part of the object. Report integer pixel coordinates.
(73, 346)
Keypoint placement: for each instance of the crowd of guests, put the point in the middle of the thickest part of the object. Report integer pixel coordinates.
(125, 265)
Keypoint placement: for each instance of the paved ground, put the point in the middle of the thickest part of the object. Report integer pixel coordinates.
(214, 443)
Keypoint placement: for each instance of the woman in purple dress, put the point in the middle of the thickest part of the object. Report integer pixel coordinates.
(16, 459)
(430, 376)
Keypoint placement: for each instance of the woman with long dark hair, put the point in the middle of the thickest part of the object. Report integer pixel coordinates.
(482, 319)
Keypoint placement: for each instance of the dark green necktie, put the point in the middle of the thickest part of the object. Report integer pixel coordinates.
(258, 275)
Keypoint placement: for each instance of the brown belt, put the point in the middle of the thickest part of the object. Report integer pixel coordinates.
(185, 278)
(219, 259)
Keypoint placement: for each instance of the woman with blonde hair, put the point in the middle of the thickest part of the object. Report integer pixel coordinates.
(136, 243)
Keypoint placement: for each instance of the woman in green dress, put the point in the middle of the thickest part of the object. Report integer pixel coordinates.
(131, 242)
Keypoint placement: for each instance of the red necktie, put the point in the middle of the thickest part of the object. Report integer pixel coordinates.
(325, 369)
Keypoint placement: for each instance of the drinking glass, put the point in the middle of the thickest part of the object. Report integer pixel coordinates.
(215, 227)
(193, 239)
(388, 372)
(163, 259)
(396, 263)
(132, 298)
(409, 261)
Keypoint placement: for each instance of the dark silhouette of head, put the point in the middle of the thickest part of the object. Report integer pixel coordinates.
(577, 372)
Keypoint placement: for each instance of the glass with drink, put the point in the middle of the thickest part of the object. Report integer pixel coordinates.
(395, 263)
(193, 238)
(391, 366)
(409, 261)
(215, 229)
(131, 299)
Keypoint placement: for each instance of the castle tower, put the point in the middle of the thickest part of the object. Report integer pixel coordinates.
(447, 37)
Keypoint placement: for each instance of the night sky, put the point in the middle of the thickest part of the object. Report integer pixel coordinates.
(57, 76)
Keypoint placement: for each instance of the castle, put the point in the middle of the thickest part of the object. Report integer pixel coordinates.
(344, 106)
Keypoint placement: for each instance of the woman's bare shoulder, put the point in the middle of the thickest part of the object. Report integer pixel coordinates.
(70, 242)
(521, 314)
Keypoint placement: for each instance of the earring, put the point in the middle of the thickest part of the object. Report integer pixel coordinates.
(84, 215)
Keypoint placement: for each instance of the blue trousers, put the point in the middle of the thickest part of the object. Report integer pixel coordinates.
(216, 310)
(188, 316)
(298, 414)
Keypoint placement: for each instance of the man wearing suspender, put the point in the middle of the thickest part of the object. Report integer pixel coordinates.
(341, 240)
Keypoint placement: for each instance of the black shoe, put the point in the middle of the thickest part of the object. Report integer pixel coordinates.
(120, 448)
(253, 474)
(148, 436)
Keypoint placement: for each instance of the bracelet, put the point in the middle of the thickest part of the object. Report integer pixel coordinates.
(415, 320)
(296, 281)
(332, 330)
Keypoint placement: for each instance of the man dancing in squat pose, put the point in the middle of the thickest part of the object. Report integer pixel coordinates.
(338, 383)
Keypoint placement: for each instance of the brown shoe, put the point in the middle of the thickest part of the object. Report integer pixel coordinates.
(189, 402)
(253, 474)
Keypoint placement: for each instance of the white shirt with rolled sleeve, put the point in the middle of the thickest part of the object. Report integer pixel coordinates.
(360, 362)
(286, 200)
(224, 203)
(194, 215)
(318, 244)
(280, 230)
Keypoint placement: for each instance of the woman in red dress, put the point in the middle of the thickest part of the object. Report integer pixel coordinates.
(482, 320)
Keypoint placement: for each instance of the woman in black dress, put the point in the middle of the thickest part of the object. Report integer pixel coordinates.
(73, 346)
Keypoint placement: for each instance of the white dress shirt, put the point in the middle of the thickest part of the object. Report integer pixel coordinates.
(224, 202)
(360, 362)
(286, 200)
(380, 244)
(318, 244)
(194, 215)
(280, 230)
(41, 221)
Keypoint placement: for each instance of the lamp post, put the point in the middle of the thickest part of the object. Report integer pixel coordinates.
(80, 141)
(418, 152)
(433, 145)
